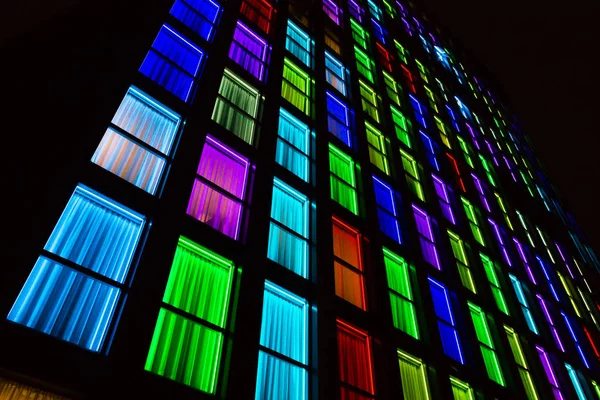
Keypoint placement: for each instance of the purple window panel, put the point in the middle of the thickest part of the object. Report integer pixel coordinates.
(501, 243)
(550, 322)
(220, 202)
(525, 261)
(481, 192)
(562, 254)
(249, 50)
(473, 137)
(426, 237)
(510, 168)
(550, 373)
(355, 10)
(332, 10)
(442, 192)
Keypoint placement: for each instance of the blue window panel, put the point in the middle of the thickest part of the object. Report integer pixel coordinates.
(278, 379)
(379, 31)
(446, 323)
(429, 150)
(288, 250)
(419, 111)
(338, 120)
(335, 73)
(284, 326)
(66, 304)
(290, 208)
(386, 210)
(96, 233)
(173, 63)
(293, 145)
(198, 15)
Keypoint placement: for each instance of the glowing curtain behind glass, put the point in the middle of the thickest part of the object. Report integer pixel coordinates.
(99, 235)
(284, 330)
(354, 357)
(288, 243)
(293, 145)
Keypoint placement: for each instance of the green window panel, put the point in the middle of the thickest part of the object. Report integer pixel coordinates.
(519, 357)
(360, 36)
(297, 87)
(377, 148)
(412, 174)
(486, 344)
(364, 65)
(473, 221)
(401, 126)
(413, 374)
(237, 107)
(462, 263)
(461, 390)
(369, 101)
(490, 272)
(401, 296)
(343, 179)
(402, 52)
(504, 211)
(466, 151)
(391, 88)
(443, 131)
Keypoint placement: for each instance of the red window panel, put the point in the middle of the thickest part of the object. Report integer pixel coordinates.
(454, 165)
(260, 12)
(409, 78)
(355, 361)
(384, 57)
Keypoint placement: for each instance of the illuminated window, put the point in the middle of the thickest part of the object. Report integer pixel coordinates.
(86, 260)
(575, 336)
(369, 101)
(549, 278)
(441, 127)
(342, 179)
(364, 65)
(338, 119)
(402, 52)
(238, 107)
(442, 191)
(335, 73)
(138, 144)
(426, 237)
(481, 189)
(466, 151)
(348, 264)
(377, 148)
(461, 390)
(386, 210)
(504, 211)
(492, 277)
(502, 243)
(356, 11)
(445, 320)
(381, 34)
(473, 221)
(355, 362)
(190, 332)
(219, 193)
(293, 145)
(519, 357)
(462, 262)
(332, 10)
(360, 36)
(173, 63)
(391, 88)
(419, 111)
(546, 309)
(288, 233)
(523, 303)
(375, 10)
(550, 373)
(332, 41)
(401, 295)
(413, 375)
(525, 226)
(250, 51)
(490, 173)
(457, 175)
(299, 44)
(260, 12)
(430, 148)
(401, 126)
(297, 87)
(486, 344)
(411, 172)
(283, 354)
(199, 15)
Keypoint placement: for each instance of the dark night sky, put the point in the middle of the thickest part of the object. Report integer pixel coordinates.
(544, 57)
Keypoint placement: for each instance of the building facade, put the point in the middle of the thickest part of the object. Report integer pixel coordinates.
(286, 200)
